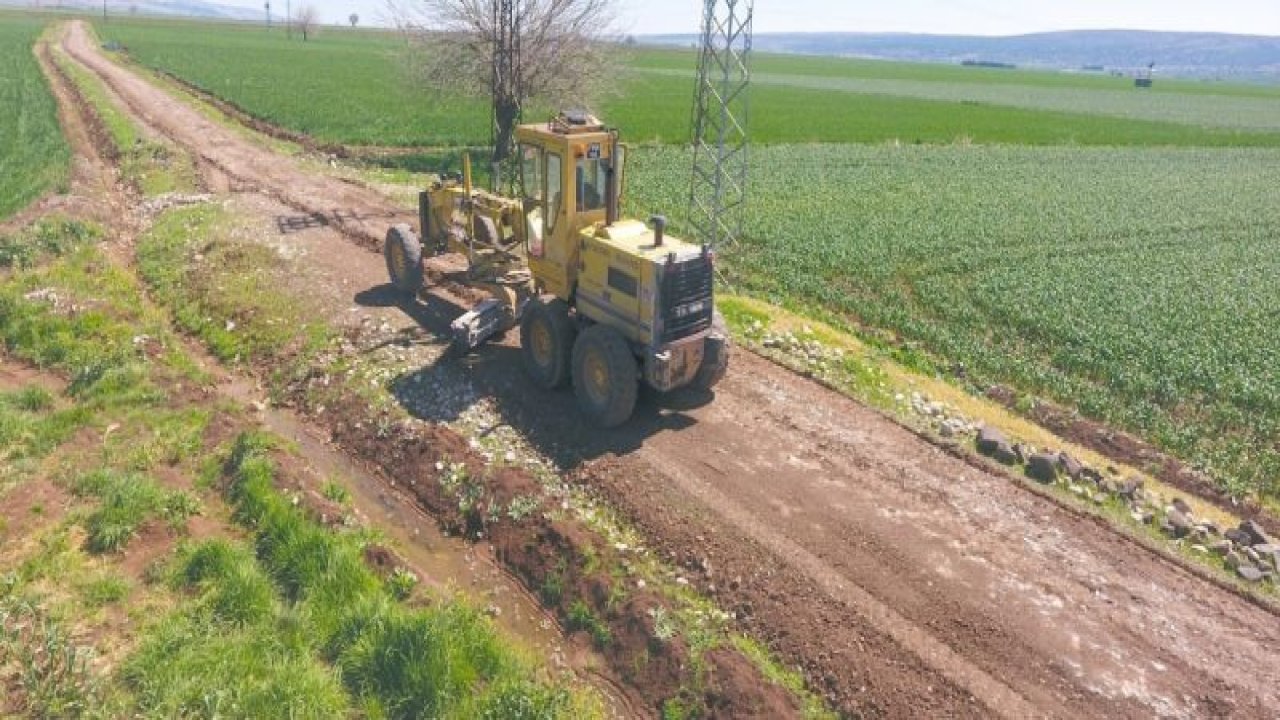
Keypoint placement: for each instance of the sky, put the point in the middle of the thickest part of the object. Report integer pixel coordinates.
(965, 17)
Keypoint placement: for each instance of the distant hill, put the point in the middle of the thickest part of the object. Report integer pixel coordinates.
(184, 8)
(1203, 55)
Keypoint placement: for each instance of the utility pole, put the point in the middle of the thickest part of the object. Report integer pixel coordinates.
(288, 19)
(104, 10)
(267, 6)
(717, 192)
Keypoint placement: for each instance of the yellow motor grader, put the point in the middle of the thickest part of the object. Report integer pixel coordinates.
(606, 302)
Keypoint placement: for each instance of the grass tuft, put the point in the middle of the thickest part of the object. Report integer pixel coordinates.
(126, 502)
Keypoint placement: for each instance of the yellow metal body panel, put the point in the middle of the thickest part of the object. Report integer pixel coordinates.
(618, 276)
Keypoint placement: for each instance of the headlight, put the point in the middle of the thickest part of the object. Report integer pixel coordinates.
(693, 308)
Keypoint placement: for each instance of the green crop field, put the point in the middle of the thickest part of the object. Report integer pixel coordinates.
(1111, 249)
(354, 87)
(33, 154)
(1137, 284)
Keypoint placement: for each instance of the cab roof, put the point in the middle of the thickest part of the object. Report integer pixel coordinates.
(573, 122)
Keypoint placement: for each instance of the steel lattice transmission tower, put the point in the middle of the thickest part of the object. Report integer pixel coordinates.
(717, 193)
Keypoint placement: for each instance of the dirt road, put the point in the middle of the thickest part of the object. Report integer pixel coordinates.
(906, 582)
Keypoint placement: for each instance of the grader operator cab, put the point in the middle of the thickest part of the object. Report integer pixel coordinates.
(602, 301)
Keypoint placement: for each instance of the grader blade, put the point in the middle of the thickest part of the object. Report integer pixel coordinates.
(485, 320)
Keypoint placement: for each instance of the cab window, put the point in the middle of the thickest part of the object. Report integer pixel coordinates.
(531, 172)
(555, 175)
(590, 181)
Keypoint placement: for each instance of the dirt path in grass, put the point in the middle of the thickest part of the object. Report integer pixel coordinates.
(443, 563)
(906, 582)
(353, 209)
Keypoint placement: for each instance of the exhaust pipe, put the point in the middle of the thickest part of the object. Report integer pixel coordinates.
(659, 228)
(612, 181)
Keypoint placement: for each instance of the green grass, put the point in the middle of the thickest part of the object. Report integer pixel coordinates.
(444, 660)
(81, 316)
(34, 157)
(235, 650)
(126, 501)
(235, 311)
(30, 425)
(53, 676)
(581, 617)
(105, 590)
(1137, 285)
(51, 236)
(352, 87)
(289, 623)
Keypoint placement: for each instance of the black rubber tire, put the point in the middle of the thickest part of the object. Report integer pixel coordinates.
(715, 356)
(549, 315)
(403, 253)
(608, 400)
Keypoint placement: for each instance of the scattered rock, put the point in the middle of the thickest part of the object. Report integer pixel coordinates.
(952, 427)
(163, 202)
(1254, 533)
(1250, 573)
(1233, 560)
(1005, 454)
(1130, 487)
(1070, 466)
(1043, 467)
(1181, 506)
(990, 439)
(1237, 536)
(1182, 525)
(1221, 548)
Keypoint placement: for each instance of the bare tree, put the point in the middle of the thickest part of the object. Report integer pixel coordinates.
(353, 19)
(558, 53)
(306, 20)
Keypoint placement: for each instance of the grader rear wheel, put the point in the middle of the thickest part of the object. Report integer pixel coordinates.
(605, 376)
(403, 253)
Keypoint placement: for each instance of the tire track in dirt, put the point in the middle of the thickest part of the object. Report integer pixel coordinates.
(905, 581)
(351, 208)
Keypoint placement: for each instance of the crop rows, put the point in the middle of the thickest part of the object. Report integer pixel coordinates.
(355, 88)
(33, 154)
(1136, 285)
(1214, 111)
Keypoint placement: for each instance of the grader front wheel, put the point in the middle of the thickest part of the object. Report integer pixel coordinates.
(403, 253)
(605, 376)
(546, 342)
